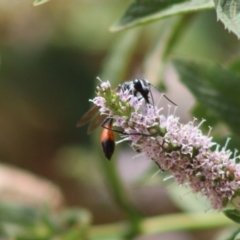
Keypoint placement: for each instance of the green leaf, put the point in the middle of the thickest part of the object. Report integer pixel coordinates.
(228, 11)
(234, 65)
(144, 11)
(214, 87)
(232, 214)
(39, 2)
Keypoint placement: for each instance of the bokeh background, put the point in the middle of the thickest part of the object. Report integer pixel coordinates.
(50, 58)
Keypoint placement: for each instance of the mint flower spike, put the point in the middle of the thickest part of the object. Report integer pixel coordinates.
(182, 149)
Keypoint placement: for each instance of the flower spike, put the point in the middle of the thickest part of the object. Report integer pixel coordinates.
(181, 149)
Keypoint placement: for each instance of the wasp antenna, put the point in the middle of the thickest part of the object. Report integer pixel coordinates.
(155, 87)
(170, 100)
(164, 95)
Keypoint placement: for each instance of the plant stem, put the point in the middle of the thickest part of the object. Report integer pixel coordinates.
(114, 68)
(160, 224)
(122, 199)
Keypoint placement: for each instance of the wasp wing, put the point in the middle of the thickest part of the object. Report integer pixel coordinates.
(97, 121)
(88, 116)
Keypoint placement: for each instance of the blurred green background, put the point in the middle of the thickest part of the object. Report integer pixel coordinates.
(50, 58)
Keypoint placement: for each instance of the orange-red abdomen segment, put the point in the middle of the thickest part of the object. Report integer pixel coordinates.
(107, 140)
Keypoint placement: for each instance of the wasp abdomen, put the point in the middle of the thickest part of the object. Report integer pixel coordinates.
(107, 140)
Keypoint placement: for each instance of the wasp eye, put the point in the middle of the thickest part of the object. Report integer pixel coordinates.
(136, 81)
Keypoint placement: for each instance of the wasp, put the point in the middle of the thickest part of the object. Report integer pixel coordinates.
(137, 87)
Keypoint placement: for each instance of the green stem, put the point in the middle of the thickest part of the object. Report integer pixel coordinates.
(115, 68)
(170, 33)
(177, 31)
(233, 237)
(118, 60)
(122, 199)
(167, 223)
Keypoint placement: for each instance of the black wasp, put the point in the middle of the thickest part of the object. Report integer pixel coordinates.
(138, 87)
